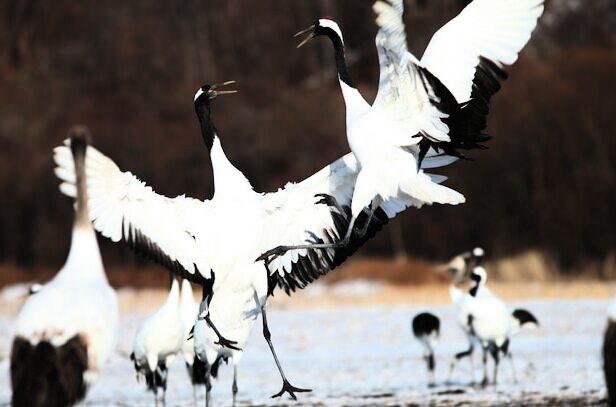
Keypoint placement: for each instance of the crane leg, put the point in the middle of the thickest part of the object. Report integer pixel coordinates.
(208, 390)
(507, 353)
(234, 387)
(430, 362)
(362, 232)
(495, 355)
(460, 355)
(222, 341)
(484, 359)
(272, 254)
(155, 388)
(286, 386)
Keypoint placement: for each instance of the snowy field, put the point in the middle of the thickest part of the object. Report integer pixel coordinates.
(367, 357)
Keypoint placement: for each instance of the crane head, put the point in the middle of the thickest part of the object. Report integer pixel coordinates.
(323, 26)
(210, 92)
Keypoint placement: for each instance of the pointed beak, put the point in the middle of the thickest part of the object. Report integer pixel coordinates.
(222, 92)
(308, 37)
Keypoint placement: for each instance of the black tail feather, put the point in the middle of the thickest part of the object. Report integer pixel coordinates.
(160, 374)
(317, 262)
(609, 361)
(44, 375)
(198, 371)
(216, 366)
(425, 323)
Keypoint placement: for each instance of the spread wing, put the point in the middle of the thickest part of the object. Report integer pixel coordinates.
(445, 96)
(304, 213)
(166, 230)
(496, 30)
(405, 93)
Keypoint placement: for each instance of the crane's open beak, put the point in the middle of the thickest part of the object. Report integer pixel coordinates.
(221, 92)
(308, 37)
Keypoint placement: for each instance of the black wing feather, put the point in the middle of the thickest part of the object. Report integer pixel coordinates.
(317, 263)
(468, 120)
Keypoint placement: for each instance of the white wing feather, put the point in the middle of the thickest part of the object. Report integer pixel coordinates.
(122, 205)
(292, 213)
(293, 216)
(494, 29)
(402, 93)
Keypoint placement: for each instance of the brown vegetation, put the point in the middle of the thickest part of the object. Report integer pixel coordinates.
(129, 70)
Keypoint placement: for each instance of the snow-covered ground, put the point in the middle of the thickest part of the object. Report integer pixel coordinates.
(367, 357)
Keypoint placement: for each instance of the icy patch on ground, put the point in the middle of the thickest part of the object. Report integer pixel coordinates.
(367, 357)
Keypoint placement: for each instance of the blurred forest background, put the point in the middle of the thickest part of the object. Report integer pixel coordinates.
(129, 70)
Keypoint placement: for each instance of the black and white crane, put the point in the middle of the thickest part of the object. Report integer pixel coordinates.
(493, 323)
(459, 269)
(66, 331)
(189, 310)
(468, 267)
(489, 320)
(426, 328)
(215, 242)
(433, 107)
(609, 353)
(157, 342)
(520, 318)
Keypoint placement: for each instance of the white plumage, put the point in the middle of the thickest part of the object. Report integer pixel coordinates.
(192, 237)
(489, 321)
(77, 301)
(77, 308)
(493, 29)
(428, 108)
(491, 317)
(484, 318)
(459, 271)
(218, 240)
(158, 340)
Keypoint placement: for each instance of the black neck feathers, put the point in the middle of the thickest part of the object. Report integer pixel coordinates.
(477, 280)
(208, 131)
(79, 136)
(341, 64)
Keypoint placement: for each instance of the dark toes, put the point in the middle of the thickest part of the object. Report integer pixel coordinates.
(289, 388)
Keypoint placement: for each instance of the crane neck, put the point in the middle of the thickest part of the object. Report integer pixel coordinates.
(354, 101)
(78, 150)
(84, 260)
(340, 58)
(227, 178)
(208, 130)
